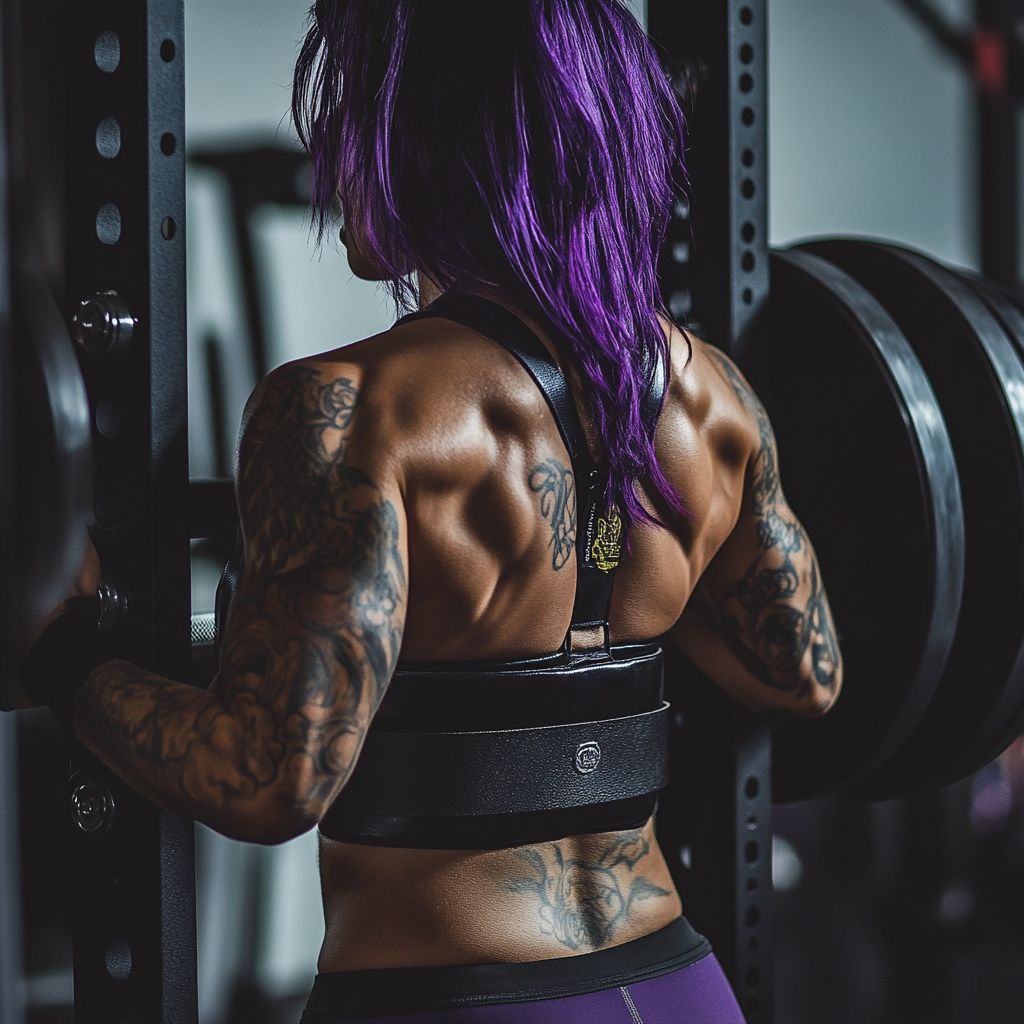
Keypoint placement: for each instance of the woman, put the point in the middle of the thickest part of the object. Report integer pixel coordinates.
(442, 494)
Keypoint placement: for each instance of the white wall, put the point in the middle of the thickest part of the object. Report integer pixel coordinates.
(871, 128)
(239, 58)
(238, 66)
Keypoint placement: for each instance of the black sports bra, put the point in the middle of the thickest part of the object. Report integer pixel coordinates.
(492, 754)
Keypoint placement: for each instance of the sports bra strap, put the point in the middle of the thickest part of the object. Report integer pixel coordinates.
(499, 324)
(599, 532)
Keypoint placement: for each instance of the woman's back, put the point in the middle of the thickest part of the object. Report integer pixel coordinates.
(490, 506)
(528, 152)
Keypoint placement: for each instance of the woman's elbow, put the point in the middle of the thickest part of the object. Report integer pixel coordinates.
(821, 692)
(274, 819)
(288, 827)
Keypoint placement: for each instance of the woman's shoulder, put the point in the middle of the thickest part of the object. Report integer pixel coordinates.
(708, 398)
(424, 381)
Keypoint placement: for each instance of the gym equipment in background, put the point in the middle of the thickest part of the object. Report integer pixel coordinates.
(978, 377)
(133, 864)
(867, 465)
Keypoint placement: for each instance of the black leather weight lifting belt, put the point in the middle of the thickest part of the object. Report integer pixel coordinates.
(492, 754)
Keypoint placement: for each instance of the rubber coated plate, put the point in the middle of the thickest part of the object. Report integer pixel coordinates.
(979, 380)
(868, 467)
(1006, 721)
(52, 469)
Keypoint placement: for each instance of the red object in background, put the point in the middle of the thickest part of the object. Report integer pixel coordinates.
(990, 61)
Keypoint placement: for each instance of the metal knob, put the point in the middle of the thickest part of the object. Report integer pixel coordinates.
(92, 806)
(113, 604)
(103, 325)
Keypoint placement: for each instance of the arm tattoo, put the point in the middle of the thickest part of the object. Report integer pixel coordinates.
(778, 611)
(312, 636)
(584, 902)
(557, 489)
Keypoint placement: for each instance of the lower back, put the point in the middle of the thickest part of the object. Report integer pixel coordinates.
(389, 907)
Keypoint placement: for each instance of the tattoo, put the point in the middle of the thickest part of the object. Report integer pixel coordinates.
(778, 611)
(557, 489)
(313, 632)
(584, 902)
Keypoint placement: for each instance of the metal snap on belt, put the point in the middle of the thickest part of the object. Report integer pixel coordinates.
(588, 757)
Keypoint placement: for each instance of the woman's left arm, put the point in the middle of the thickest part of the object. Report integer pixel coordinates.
(311, 640)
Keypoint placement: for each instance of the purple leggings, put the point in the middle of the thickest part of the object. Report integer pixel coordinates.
(668, 977)
(698, 994)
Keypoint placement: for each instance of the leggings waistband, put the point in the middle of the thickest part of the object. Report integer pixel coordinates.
(353, 995)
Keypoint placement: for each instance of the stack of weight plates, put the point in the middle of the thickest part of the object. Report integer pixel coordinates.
(896, 387)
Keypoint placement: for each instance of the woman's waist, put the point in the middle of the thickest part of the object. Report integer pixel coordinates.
(351, 995)
(387, 907)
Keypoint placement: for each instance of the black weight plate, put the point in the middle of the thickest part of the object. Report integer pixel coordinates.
(868, 467)
(52, 470)
(979, 380)
(1006, 721)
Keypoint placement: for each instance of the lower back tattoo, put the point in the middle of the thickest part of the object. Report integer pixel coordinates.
(584, 901)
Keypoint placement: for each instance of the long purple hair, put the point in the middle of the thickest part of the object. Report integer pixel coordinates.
(530, 148)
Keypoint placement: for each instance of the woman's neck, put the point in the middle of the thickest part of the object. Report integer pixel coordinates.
(427, 289)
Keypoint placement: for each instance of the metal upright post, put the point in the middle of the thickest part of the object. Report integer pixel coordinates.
(134, 881)
(998, 22)
(12, 981)
(714, 820)
(8, 542)
(12, 975)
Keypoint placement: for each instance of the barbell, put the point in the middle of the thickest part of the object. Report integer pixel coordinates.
(896, 388)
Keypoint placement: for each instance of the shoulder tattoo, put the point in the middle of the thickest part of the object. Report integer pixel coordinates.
(557, 489)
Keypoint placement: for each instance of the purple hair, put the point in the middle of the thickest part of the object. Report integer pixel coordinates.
(530, 148)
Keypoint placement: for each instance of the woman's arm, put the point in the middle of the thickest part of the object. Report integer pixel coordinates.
(759, 622)
(311, 640)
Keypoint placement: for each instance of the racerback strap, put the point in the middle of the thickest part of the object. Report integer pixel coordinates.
(600, 528)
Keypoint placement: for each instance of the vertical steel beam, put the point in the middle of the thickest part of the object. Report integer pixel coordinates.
(134, 882)
(998, 138)
(715, 818)
(10, 614)
(717, 51)
(12, 975)
(12, 981)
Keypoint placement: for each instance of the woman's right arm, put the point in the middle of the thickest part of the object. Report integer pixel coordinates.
(759, 622)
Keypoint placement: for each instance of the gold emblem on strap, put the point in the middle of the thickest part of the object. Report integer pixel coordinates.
(606, 549)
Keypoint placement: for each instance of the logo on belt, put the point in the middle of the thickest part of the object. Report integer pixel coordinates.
(588, 757)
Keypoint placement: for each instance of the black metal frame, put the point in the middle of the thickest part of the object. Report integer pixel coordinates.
(134, 881)
(714, 820)
(12, 1007)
